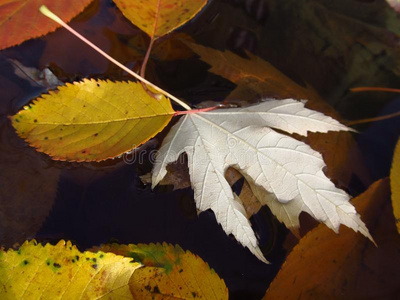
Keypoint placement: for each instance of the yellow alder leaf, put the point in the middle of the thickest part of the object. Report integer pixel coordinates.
(395, 184)
(63, 272)
(159, 17)
(170, 273)
(92, 120)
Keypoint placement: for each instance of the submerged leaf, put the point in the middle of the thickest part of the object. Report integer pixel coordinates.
(170, 272)
(395, 184)
(159, 17)
(92, 120)
(284, 173)
(62, 271)
(28, 187)
(20, 20)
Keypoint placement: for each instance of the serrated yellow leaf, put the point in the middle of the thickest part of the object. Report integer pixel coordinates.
(170, 273)
(63, 272)
(159, 17)
(395, 184)
(92, 120)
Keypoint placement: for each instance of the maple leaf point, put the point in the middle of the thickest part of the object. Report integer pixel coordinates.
(283, 173)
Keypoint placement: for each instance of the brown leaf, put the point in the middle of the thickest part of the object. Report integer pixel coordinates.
(21, 20)
(348, 265)
(27, 191)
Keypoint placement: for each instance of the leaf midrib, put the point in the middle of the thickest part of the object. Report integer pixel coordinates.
(98, 122)
(255, 149)
(276, 114)
(227, 196)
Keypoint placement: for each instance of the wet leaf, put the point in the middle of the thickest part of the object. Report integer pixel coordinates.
(349, 267)
(283, 173)
(20, 20)
(170, 273)
(92, 120)
(159, 17)
(28, 188)
(44, 78)
(171, 48)
(395, 184)
(147, 272)
(62, 271)
(256, 78)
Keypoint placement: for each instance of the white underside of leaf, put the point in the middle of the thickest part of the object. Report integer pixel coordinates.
(284, 173)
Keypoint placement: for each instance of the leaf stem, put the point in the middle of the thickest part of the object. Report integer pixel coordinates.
(143, 69)
(44, 10)
(195, 111)
(146, 58)
(374, 89)
(369, 120)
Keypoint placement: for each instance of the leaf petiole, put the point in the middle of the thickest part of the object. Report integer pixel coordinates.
(44, 10)
(195, 111)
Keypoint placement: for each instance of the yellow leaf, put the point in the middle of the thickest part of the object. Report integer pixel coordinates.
(159, 17)
(395, 184)
(170, 273)
(92, 120)
(62, 271)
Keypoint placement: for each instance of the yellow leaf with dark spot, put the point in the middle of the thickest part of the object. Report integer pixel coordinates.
(63, 272)
(170, 273)
(159, 17)
(395, 184)
(92, 120)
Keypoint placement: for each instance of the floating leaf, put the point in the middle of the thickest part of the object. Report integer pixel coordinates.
(348, 266)
(92, 120)
(159, 17)
(20, 20)
(256, 79)
(171, 272)
(395, 184)
(284, 173)
(62, 271)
